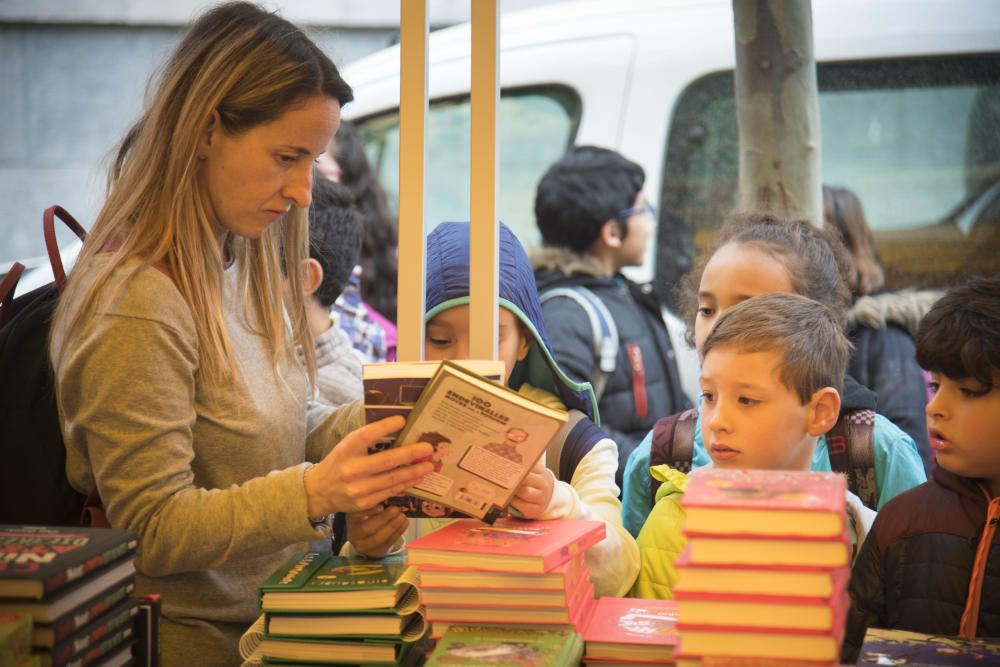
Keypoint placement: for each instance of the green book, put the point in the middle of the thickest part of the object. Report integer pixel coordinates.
(320, 582)
(273, 651)
(473, 645)
(15, 637)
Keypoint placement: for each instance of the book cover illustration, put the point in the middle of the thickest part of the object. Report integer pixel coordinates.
(322, 581)
(492, 438)
(632, 621)
(506, 647)
(15, 637)
(509, 545)
(765, 502)
(393, 389)
(36, 560)
(916, 649)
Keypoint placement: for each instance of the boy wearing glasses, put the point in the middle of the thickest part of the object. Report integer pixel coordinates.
(595, 220)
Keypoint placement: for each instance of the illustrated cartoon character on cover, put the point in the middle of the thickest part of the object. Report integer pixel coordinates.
(508, 448)
(500, 536)
(518, 653)
(441, 444)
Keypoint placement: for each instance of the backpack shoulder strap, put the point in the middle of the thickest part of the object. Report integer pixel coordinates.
(850, 445)
(603, 330)
(7, 286)
(554, 452)
(673, 444)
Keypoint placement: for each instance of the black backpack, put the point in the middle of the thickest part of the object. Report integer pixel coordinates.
(849, 444)
(33, 484)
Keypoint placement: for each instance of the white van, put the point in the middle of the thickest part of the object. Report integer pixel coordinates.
(909, 104)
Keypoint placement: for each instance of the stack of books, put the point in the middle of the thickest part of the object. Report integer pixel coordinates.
(319, 608)
(628, 632)
(765, 569)
(514, 574)
(74, 583)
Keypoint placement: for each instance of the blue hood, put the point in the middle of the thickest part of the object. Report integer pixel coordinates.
(448, 286)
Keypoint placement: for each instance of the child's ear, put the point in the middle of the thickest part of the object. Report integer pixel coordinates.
(525, 345)
(611, 234)
(312, 276)
(823, 411)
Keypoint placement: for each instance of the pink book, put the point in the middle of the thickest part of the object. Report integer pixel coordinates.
(627, 629)
(509, 545)
(765, 503)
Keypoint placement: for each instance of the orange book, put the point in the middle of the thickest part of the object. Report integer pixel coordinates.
(761, 580)
(748, 612)
(489, 612)
(765, 503)
(751, 647)
(525, 596)
(770, 552)
(631, 630)
(764, 642)
(509, 545)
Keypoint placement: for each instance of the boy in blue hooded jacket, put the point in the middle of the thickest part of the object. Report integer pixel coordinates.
(576, 479)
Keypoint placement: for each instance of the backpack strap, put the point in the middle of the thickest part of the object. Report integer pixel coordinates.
(7, 286)
(603, 329)
(850, 445)
(52, 245)
(554, 452)
(673, 444)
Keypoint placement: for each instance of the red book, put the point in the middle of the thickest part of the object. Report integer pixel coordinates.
(526, 595)
(765, 503)
(634, 630)
(559, 578)
(509, 545)
(489, 612)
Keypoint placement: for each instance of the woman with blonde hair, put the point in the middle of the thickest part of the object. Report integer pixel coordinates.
(182, 400)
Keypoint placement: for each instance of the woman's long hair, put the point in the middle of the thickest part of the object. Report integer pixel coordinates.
(251, 66)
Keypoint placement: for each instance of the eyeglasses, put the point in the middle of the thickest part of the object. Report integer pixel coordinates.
(627, 213)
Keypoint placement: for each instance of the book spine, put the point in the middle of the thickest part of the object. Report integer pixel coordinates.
(98, 651)
(115, 619)
(147, 630)
(75, 572)
(79, 617)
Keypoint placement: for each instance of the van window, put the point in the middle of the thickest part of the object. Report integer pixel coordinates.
(536, 126)
(918, 140)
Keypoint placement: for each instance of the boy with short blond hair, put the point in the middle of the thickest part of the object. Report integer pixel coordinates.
(771, 374)
(933, 558)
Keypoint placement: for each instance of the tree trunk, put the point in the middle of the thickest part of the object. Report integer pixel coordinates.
(777, 108)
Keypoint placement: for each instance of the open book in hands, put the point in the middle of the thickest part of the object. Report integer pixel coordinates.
(488, 438)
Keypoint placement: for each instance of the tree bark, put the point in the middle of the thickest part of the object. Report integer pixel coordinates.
(777, 108)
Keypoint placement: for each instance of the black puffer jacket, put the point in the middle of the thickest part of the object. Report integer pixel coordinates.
(639, 320)
(884, 359)
(915, 568)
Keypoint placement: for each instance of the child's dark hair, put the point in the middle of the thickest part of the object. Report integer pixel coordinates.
(378, 245)
(812, 343)
(335, 229)
(583, 190)
(816, 261)
(960, 336)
